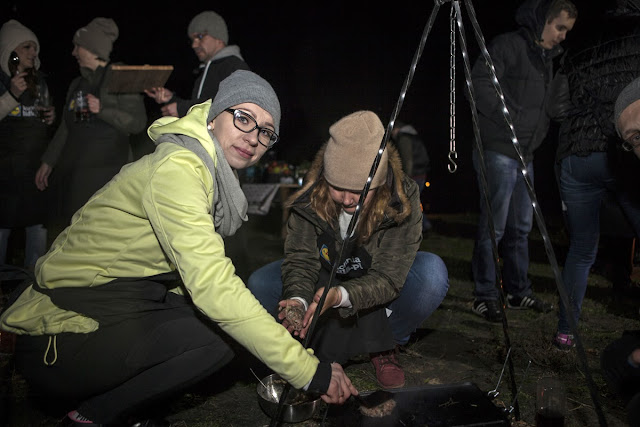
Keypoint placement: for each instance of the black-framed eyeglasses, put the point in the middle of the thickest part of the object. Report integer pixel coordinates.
(247, 124)
(632, 142)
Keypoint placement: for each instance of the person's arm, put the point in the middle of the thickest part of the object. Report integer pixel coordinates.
(486, 97)
(7, 104)
(301, 265)
(178, 202)
(559, 101)
(52, 153)
(391, 261)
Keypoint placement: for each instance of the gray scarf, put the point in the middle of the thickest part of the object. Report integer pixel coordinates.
(230, 205)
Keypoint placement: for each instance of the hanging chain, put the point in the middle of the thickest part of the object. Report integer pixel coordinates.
(452, 166)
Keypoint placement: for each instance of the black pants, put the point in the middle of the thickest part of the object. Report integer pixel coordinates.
(124, 366)
(622, 378)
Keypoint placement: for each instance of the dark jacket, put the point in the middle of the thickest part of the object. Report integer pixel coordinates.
(590, 80)
(23, 139)
(226, 62)
(86, 155)
(524, 70)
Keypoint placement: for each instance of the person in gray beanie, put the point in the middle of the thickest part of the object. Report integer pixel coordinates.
(98, 37)
(92, 142)
(158, 292)
(210, 42)
(384, 286)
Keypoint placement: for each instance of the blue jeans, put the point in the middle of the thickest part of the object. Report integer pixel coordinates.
(512, 221)
(35, 244)
(426, 286)
(584, 182)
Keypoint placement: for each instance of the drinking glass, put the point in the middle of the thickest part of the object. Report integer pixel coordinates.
(43, 102)
(82, 107)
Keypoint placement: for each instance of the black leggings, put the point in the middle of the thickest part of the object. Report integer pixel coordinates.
(121, 367)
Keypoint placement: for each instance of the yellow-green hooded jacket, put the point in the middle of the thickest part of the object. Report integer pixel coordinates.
(155, 217)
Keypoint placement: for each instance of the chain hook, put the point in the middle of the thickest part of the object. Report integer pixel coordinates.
(452, 156)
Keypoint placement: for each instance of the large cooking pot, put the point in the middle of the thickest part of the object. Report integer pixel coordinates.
(298, 405)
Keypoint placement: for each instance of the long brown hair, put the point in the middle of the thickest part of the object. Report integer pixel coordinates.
(370, 218)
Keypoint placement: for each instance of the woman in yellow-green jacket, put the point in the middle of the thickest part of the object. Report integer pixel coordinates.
(128, 299)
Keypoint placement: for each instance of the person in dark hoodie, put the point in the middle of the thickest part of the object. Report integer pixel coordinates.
(210, 42)
(523, 61)
(588, 157)
(385, 287)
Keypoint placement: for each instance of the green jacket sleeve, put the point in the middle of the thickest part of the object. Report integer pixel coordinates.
(178, 203)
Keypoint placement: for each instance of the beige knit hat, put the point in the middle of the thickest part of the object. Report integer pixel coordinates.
(98, 37)
(351, 149)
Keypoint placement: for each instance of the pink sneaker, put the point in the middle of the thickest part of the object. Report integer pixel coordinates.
(388, 370)
(564, 342)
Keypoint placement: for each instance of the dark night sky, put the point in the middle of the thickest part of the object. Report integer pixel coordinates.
(324, 60)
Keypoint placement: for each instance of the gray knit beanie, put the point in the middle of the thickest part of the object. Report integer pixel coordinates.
(211, 23)
(98, 37)
(628, 95)
(246, 86)
(354, 143)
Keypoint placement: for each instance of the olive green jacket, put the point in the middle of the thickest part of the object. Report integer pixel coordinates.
(392, 246)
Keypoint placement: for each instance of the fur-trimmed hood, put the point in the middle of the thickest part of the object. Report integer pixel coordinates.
(398, 209)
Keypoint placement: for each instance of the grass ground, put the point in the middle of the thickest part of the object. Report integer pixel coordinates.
(454, 346)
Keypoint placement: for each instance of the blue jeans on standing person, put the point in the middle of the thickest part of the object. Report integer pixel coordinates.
(584, 182)
(424, 289)
(512, 220)
(35, 244)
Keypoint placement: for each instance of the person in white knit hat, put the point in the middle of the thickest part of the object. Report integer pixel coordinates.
(385, 287)
(24, 135)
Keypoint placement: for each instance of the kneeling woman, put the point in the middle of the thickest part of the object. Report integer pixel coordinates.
(385, 287)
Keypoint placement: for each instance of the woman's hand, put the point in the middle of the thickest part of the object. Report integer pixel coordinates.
(94, 103)
(49, 114)
(340, 387)
(284, 307)
(42, 176)
(160, 94)
(18, 84)
(334, 297)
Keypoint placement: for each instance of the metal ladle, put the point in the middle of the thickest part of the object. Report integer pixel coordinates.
(270, 390)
